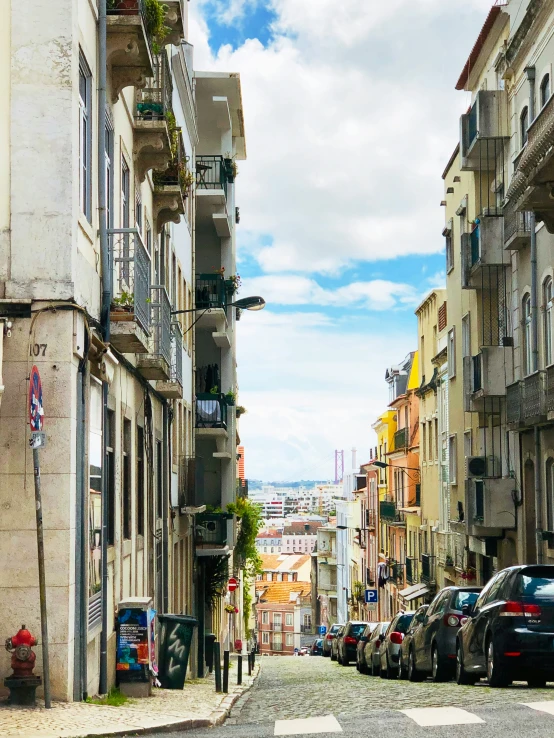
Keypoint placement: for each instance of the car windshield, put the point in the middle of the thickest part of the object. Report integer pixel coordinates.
(403, 623)
(464, 598)
(335, 629)
(357, 629)
(538, 583)
(384, 627)
(319, 642)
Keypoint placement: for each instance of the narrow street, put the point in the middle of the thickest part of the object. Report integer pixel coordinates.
(347, 702)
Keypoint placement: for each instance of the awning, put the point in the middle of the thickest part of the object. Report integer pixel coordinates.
(413, 592)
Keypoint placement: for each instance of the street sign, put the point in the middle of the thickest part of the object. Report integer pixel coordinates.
(233, 584)
(371, 596)
(322, 630)
(36, 410)
(38, 439)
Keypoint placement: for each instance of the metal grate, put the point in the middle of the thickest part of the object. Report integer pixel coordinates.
(154, 101)
(211, 410)
(95, 610)
(177, 353)
(534, 395)
(515, 222)
(210, 291)
(427, 568)
(160, 308)
(550, 389)
(212, 173)
(130, 264)
(411, 570)
(513, 403)
(401, 439)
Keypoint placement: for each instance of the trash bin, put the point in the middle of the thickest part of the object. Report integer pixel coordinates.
(209, 640)
(174, 649)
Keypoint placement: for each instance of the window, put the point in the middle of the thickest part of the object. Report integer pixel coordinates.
(95, 488)
(307, 621)
(550, 494)
(265, 617)
(159, 480)
(108, 153)
(527, 346)
(431, 441)
(110, 463)
(140, 481)
(466, 336)
(138, 208)
(125, 193)
(545, 90)
(523, 126)
(277, 619)
(452, 352)
(290, 639)
(85, 137)
(449, 247)
(424, 440)
(288, 618)
(452, 458)
(547, 322)
(126, 479)
(436, 439)
(265, 637)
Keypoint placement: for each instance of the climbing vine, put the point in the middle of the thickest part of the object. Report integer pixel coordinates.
(249, 516)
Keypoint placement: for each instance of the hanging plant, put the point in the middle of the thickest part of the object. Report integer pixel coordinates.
(216, 573)
(249, 516)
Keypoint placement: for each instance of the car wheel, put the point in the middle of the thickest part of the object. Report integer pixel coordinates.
(536, 683)
(439, 672)
(333, 657)
(494, 675)
(462, 677)
(384, 673)
(345, 661)
(413, 674)
(403, 672)
(375, 669)
(325, 654)
(391, 673)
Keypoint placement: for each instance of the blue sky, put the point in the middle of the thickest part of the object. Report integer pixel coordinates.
(351, 115)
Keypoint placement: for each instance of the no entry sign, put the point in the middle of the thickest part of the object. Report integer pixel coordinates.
(36, 411)
(233, 584)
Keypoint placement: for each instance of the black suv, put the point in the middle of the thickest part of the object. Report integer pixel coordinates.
(348, 641)
(509, 633)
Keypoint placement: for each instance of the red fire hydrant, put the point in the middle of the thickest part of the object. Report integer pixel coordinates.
(23, 656)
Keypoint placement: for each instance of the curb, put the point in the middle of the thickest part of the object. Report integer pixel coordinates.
(217, 717)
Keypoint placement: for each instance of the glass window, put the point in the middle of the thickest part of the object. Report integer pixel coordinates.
(494, 591)
(451, 353)
(523, 126)
(537, 583)
(357, 629)
(85, 137)
(127, 511)
(527, 344)
(545, 90)
(452, 459)
(547, 322)
(403, 623)
(550, 494)
(288, 618)
(484, 592)
(290, 639)
(265, 617)
(95, 488)
(464, 598)
(265, 637)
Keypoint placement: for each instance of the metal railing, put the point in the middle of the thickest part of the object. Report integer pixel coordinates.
(427, 568)
(277, 646)
(160, 310)
(396, 572)
(401, 439)
(154, 101)
(371, 518)
(138, 7)
(211, 410)
(211, 528)
(515, 222)
(212, 173)
(187, 482)
(177, 353)
(411, 570)
(513, 403)
(387, 510)
(130, 264)
(534, 395)
(306, 629)
(277, 626)
(210, 292)
(550, 389)
(177, 173)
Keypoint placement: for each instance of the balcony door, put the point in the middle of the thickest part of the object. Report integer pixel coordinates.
(277, 621)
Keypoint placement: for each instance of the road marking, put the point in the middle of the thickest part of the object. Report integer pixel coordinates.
(547, 706)
(427, 716)
(327, 724)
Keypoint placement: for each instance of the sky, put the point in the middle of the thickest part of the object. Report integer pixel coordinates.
(351, 116)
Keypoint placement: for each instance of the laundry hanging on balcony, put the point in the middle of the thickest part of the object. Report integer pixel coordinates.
(207, 378)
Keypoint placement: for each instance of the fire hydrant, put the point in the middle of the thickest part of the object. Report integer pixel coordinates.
(22, 683)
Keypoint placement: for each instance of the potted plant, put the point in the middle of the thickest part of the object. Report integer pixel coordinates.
(123, 306)
(230, 397)
(240, 410)
(231, 169)
(233, 284)
(449, 561)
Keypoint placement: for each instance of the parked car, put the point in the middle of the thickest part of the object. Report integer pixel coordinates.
(433, 644)
(407, 642)
(335, 643)
(361, 664)
(317, 647)
(349, 641)
(304, 651)
(371, 651)
(509, 632)
(389, 653)
(329, 638)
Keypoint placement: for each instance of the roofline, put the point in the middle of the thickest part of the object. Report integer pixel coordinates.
(451, 160)
(494, 12)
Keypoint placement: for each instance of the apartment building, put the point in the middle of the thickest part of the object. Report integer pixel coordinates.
(284, 568)
(108, 114)
(325, 570)
(283, 616)
(300, 537)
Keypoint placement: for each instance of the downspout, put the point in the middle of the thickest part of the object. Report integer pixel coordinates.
(165, 506)
(81, 595)
(105, 324)
(530, 72)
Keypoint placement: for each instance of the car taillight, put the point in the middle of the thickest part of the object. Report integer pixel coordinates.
(396, 638)
(329, 637)
(452, 620)
(349, 639)
(519, 609)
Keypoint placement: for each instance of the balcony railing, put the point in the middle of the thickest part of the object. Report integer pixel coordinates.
(160, 310)
(371, 519)
(401, 439)
(306, 629)
(513, 404)
(534, 396)
(212, 173)
(210, 529)
(517, 227)
(177, 173)
(396, 573)
(132, 7)
(177, 353)
(210, 292)
(411, 570)
(187, 483)
(550, 389)
(277, 626)
(387, 510)
(477, 365)
(211, 410)
(427, 568)
(277, 646)
(154, 101)
(130, 273)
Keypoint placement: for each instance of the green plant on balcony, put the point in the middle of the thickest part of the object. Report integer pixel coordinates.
(449, 561)
(233, 283)
(358, 591)
(124, 303)
(216, 576)
(240, 410)
(231, 168)
(214, 390)
(230, 397)
(155, 23)
(249, 516)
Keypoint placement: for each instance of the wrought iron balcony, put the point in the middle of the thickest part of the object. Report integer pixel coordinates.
(157, 364)
(517, 228)
(389, 513)
(210, 292)
(213, 172)
(411, 570)
(550, 389)
(211, 410)
(189, 494)
(277, 626)
(534, 397)
(173, 388)
(210, 529)
(483, 254)
(306, 629)
(154, 101)
(427, 568)
(277, 646)
(401, 439)
(514, 412)
(396, 573)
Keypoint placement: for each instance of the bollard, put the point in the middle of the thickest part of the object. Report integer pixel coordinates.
(217, 666)
(225, 671)
(249, 664)
(239, 669)
(253, 658)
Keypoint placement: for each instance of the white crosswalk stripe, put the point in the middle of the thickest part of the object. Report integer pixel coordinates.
(305, 726)
(427, 716)
(541, 706)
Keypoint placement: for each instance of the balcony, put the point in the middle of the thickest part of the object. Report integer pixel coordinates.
(527, 401)
(129, 45)
(173, 185)
(211, 411)
(389, 514)
(396, 573)
(213, 174)
(427, 568)
(484, 131)
(174, 20)
(211, 304)
(153, 109)
(277, 626)
(484, 376)
(371, 519)
(156, 364)
(517, 229)
(411, 570)
(514, 412)
(531, 186)
(482, 254)
(550, 392)
(173, 387)
(401, 439)
(306, 629)
(211, 533)
(129, 312)
(490, 506)
(190, 494)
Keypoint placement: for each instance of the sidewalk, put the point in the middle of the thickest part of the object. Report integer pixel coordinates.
(197, 706)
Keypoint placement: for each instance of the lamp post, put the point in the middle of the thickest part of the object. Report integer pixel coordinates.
(245, 303)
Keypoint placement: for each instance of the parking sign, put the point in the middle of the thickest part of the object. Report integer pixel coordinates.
(371, 596)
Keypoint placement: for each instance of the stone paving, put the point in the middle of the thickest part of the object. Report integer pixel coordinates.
(197, 706)
(294, 687)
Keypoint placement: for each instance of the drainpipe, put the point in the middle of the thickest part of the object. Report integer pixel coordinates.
(165, 506)
(81, 562)
(530, 72)
(105, 325)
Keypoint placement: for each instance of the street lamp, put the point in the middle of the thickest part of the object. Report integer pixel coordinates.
(245, 303)
(383, 465)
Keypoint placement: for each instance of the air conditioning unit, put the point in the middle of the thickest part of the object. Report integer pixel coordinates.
(483, 467)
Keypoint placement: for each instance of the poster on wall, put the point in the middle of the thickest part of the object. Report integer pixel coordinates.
(133, 644)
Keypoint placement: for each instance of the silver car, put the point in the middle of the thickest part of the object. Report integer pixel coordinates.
(371, 651)
(389, 652)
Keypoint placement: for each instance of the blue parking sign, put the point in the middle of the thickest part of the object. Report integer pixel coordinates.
(371, 596)
(322, 630)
